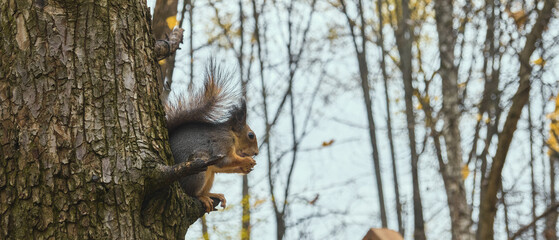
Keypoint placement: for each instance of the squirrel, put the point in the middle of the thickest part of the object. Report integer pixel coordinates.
(200, 124)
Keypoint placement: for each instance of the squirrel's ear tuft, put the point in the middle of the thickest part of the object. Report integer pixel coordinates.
(239, 116)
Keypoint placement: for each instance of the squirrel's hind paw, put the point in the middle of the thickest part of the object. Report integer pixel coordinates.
(221, 198)
(208, 202)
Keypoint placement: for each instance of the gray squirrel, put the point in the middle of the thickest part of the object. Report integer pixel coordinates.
(201, 124)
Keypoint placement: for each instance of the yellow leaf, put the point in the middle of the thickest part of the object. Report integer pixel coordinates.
(258, 202)
(518, 16)
(419, 106)
(478, 117)
(465, 172)
(487, 120)
(312, 202)
(335, 4)
(554, 129)
(171, 21)
(332, 34)
(462, 85)
(426, 99)
(539, 61)
(326, 144)
(162, 61)
(394, 59)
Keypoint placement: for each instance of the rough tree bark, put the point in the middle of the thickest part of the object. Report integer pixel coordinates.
(83, 143)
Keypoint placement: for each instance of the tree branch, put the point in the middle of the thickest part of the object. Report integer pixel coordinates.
(163, 175)
(166, 47)
(551, 209)
(488, 204)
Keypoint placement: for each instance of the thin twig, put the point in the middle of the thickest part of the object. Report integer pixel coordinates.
(550, 210)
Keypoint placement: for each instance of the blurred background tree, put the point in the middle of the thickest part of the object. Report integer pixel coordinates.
(456, 98)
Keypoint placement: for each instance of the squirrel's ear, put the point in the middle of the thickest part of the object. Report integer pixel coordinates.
(240, 116)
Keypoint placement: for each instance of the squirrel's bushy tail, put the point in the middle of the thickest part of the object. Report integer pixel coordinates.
(207, 105)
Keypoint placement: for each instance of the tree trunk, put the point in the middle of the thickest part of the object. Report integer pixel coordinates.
(460, 213)
(280, 226)
(363, 69)
(190, 4)
(361, 54)
(364, 73)
(164, 9)
(245, 202)
(205, 233)
(82, 130)
(506, 213)
(404, 42)
(245, 217)
(389, 120)
(488, 203)
(532, 176)
(550, 231)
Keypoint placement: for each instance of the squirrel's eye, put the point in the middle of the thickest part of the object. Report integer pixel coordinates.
(251, 135)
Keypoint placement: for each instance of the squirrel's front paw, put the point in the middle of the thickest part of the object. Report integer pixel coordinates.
(248, 164)
(245, 170)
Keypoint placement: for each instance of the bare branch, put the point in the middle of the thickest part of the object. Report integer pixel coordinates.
(488, 203)
(551, 209)
(165, 47)
(164, 175)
